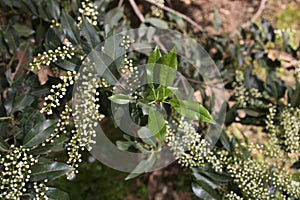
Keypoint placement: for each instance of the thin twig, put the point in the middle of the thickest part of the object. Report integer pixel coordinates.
(257, 14)
(137, 11)
(120, 3)
(186, 18)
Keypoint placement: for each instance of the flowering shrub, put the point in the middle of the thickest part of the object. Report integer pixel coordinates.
(53, 99)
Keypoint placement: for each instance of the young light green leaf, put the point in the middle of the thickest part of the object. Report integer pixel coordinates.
(39, 133)
(120, 98)
(191, 110)
(153, 58)
(122, 145)
(160, 94)
(217, 22)
(50, 171)
(146, 135)
(157, 124)
(168, 69)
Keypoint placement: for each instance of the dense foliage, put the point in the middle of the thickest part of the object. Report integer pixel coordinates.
(51, 50)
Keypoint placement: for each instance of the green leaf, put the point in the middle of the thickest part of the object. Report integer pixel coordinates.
(104, 67)
(157, 124)
(146, 135)
(90, 33)
(56, 194)
(154, 56)
(114, 16)
(157, 22)
(268, 29)
(217, 22)
(23, 30)
(143, 166)
(191, 110)
(39, 133)
(160, 94)
(70, 28)
(50, 171)
(295, 98)
(120, 98)
(204, 191)
(123, 146)
(168, 69)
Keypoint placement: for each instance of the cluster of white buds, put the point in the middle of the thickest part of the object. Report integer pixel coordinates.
(63, 121)
(232, 196)
(89, 10)
(127, 42)
(51, 56)
(73, 149)
(40, 189)
(291, 127)
(285, 183)
(244, 95)
(15, 173)
(284, 128)
(189, 148)
(251, 177)
(129, 72)
(289, 31)
(86, 113)
(156, 11)
(55, 24)
(58, 92)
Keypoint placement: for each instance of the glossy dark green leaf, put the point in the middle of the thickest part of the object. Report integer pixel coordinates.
(157, 125)
(9, 101)
(104, 66)
(191, 110)
(113, 16)
(256, 33)
(56, 194)
(142, 167)
(295, 98)
(204, 191)
(39, 133)
(146, 135)
(90, 34)
(58, 144)
(268, 29)
(53, 9)
(159, 23)
(217, 22)
(70, 28)
(23, 30)
(50, 171)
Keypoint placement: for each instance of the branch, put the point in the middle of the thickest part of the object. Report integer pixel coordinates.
(257, 14)
(186, 18)
(137, 11)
